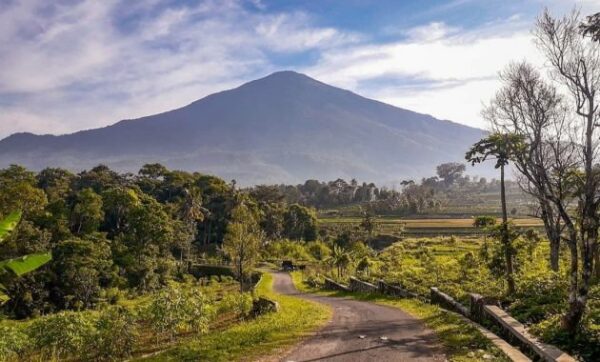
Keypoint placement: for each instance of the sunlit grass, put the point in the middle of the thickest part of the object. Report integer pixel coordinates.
(265, 335)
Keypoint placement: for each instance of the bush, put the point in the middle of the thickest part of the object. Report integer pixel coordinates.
(13, 344)
(240, 304)
(174, 310)
(116, 334)
(62, 334)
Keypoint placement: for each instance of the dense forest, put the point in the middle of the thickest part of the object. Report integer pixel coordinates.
(108, 231)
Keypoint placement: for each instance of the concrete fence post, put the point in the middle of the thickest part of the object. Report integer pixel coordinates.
(476, 308)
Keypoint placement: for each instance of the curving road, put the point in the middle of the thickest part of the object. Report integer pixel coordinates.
(362, 331)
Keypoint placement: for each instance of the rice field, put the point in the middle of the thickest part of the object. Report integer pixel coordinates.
(424, 227)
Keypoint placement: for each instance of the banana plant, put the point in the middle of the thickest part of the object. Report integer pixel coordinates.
(21, 265)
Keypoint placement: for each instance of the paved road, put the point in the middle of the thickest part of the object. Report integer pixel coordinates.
(362, 331)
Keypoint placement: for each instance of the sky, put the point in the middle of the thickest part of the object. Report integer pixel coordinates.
(68, 65)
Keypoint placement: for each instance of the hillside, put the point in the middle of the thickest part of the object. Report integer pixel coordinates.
(286, 127)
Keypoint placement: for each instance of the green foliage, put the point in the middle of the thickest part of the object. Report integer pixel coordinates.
(300, 223)
(289, 250)
(242, 241)
(238, 303)
(62, 334)
(17, 266)
(25, 264)
(81, 267)
(13, 344)
(173, 310)
(116, 334)
(87, 212)
(8, 224)
(318, 250)
(484, 221)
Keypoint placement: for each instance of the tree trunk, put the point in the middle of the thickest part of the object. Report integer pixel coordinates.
(589, 223)
(597, 262)
(552, 227)
(505, 237)
(554, 254)
(571, 319)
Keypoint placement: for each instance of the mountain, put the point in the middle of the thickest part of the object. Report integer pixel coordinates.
(286, 127)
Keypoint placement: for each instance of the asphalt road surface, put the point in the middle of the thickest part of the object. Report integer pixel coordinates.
(362, 331)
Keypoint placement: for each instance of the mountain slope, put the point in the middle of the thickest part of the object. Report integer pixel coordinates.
(285, 127)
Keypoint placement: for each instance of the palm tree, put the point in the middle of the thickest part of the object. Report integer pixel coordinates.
(340, 258)
(499, 147)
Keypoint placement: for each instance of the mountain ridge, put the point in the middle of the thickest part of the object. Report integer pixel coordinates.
(284, 127)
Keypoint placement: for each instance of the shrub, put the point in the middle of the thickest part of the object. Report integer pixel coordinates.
(116, 334)
(13, 343)
(166, 312)
(198, 311)
(173, 310)
(62, 334)
(240, 304)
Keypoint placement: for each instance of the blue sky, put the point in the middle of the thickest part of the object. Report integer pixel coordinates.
(68, 65)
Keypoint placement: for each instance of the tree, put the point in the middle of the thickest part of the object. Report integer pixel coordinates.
(300, 223)
(191, 213)
(117, 204)
(498, 146)
(340, 258)
(82, 268)
(242, 242)
(18, 266)
(18, 191)
(369, 224)
(532, 109)
(591, 27)
(87, 213)
(450, 172)
(146, 244)
(575, 64)
(484, 221)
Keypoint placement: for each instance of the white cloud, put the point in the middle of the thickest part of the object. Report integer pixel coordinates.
(455, 71)
(73, 65)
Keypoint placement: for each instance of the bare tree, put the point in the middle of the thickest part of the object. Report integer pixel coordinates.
(533, 110)
(575, 64)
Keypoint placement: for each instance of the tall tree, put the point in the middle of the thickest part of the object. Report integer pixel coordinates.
(450, 172)
(575, 64)
(498, 147)
(87, 213)
(242, 242)
(300, 223)
(532, 109)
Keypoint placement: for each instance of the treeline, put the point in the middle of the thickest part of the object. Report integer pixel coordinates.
(412, 197)
(108, 231)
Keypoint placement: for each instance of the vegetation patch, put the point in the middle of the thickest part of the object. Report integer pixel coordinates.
(262, 336)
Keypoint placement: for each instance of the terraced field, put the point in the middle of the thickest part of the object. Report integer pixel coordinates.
(423, 227)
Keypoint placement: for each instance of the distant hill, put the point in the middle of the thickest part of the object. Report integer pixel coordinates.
(286, 127)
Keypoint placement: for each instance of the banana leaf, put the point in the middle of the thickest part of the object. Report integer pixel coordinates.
(8, 224)
(26, 264)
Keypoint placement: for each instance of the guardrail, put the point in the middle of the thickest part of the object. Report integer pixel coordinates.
(481, 310)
